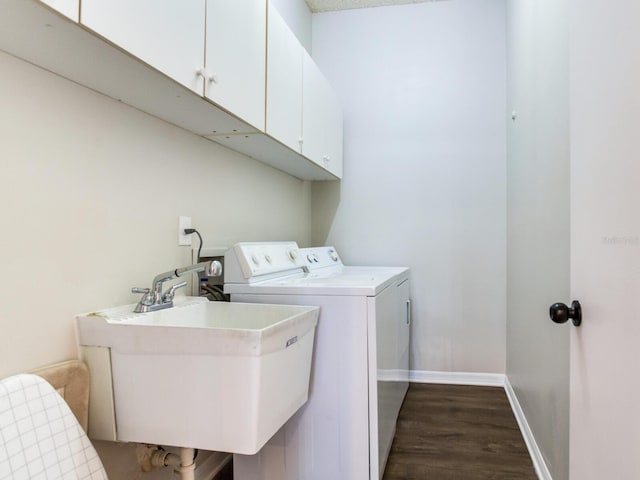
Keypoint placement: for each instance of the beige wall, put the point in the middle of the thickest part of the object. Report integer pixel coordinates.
(90, 197)
(538, 221)
(92, 191)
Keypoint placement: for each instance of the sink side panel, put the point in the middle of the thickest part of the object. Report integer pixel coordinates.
(102, 417)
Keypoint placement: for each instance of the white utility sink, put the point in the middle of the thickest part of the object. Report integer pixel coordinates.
(209, 375)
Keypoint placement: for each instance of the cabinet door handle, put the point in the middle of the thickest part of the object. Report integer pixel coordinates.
(408, 312)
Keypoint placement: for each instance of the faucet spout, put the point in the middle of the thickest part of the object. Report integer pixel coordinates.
(153, 298)
(213, 268)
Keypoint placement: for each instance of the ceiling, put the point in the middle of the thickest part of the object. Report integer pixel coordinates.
(331, 5)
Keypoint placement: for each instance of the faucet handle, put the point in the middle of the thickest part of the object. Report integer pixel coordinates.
(167, 297)
(145, 301)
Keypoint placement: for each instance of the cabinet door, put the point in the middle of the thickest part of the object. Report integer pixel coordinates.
(169, 36)
(321, 120)
(69, 8)
(284, 82)
(236, 57)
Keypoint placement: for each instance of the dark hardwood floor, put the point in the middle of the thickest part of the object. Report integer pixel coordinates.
(454, 432)
(226, 473)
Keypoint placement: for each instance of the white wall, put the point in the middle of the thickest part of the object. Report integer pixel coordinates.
(91, 194)
(423, 92)
(538, 221)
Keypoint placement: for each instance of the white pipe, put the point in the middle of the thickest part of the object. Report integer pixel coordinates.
(162, 458)
(187, 466)
(156, 457)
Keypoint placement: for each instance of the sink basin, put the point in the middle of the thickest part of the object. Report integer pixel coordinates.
(209, 375)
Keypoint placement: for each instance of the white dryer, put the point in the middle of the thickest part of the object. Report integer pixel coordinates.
(360, 367)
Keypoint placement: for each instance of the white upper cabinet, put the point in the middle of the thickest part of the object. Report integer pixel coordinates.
(236, 35)
(169, 36)
(303, 112)
(197, 64)
(284, 82)
(321, 120)
(69, 8)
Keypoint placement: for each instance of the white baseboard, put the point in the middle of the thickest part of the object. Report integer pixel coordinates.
(534, 451)
(457, 378)
(392, 375)
(492, 380)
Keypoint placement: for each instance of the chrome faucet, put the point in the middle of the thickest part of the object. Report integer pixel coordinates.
(153, 299)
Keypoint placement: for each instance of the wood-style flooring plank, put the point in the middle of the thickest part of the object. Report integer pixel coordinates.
(226, 473)
(456, 432)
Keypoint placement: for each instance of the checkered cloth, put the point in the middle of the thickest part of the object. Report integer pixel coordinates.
(40, 438)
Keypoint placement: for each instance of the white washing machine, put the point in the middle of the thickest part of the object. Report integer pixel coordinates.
(360, 367)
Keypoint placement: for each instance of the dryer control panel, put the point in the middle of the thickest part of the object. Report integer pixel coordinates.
(319, 257)
(248, 262)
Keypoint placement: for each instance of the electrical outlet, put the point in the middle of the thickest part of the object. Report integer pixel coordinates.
(184, 222)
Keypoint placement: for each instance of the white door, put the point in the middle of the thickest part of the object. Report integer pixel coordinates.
(605, 239)
(284, 82)
(321, 119)
(70, 8)
(169, 36)
(236, 57)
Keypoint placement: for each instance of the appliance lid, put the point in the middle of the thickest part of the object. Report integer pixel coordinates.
(354, 281)
(284, 268)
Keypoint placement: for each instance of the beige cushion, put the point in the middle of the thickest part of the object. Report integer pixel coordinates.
(71, 380)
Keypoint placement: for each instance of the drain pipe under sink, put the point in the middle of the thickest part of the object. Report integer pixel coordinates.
(153, 457)
(187, 466)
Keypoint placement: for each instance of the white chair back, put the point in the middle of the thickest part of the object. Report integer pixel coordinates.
(40, 437)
